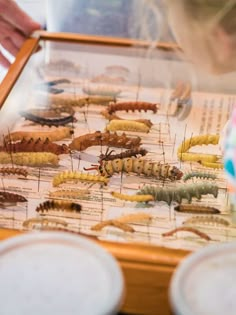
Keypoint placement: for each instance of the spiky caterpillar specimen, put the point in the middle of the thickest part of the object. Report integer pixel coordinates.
(132, 106)
(108, 156)
(50, 205)
(180, 193)
(29, 158)
(66, 176)
(104, 138)
(197, 174)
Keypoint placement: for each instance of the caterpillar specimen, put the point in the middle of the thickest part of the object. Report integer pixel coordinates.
(207, 220)
(10, 197)
(108, 116)
(132, 198)
(213, 165)
(66, 176)
(29, 158)
(198, 140)
(13, 171)
(135, 218)
(104, 78)
(127, 125)
(188, 229)
(57, 134)
(69, 194)
(61, 121)
(132, 106)
(103, 90)
(43, 222)
(180, 193)
(196, 209)
(58, 205)
(35, 146)
(139, 166)
(120, 225)
(104, 138)
(197, 174)
(108, 156)
(117, 69)
(59, 101)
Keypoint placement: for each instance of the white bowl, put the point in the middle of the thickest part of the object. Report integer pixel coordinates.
(58, 273)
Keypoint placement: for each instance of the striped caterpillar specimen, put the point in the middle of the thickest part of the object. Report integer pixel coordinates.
(43, 222)
(66, 176)
(10, 197)
(120, 225)
(58, 134)
(13, 171)
(104, 138)
(35, 146)
(127, 125)
(188, 229)
(197, 174)
(69, 194)
(179, 193)
(207, 220)
(139, 166)
(58, 205)
(198, 140)
(29, 158)
(108, 156)
(196, 209)
(103, 90)
(132, 198)
(132, 106)
(108, 116)
(61, 121)
(61, 101)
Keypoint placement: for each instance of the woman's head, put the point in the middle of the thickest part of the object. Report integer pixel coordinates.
(206, 30)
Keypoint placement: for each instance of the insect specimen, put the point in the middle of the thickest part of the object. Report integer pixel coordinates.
(29, 158)
(120, 225)
(108, 156)
(132, 106)
(127, 125)
(10, 197)
(58, 205)
(180, 193)
(196, 209)
(207, 220)
(140, 217)
(69, 194)
(61, 101)
(43, 222)
(133, 198)
(104, 138)
(197, 174)
(103, 90)
(66, 176)
(188, 229)
(14, 171)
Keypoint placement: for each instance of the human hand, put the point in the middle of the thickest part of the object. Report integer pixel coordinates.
(15, 26)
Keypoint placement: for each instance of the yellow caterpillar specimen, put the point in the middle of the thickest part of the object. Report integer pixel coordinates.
(69, 194)
(183, 155)
(127, 125)
(29, 158)
(66, 176)
(133, 198)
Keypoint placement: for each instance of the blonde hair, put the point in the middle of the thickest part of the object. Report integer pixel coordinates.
(211, 12)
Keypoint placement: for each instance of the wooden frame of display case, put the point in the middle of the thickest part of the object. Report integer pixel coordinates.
(147, 269)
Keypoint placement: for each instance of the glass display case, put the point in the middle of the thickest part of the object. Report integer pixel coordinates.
(117, 140)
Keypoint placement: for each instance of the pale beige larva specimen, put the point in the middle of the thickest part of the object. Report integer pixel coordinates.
(29, 158)
(127, 125)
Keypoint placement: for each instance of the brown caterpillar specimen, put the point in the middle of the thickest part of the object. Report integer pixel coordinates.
(51, 111)
(29, 158)
(188, 229)
(10, 197)
(132, 106)
(177, 194)
(58, 134)
(35, 146)
(13, 171)
(213, 165)
(69, 194)
(104, 138)
(43, 222)
(139, 166)
(108, 116)
(127, 125)
(135, 218)
(103, 90)
(72, 101)
(132, 198)
(59, 121)
(198, 140)
(122, 226)
(108, 156)
(207, 220)
(66, 176)
(196, 209)
(58, 205)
